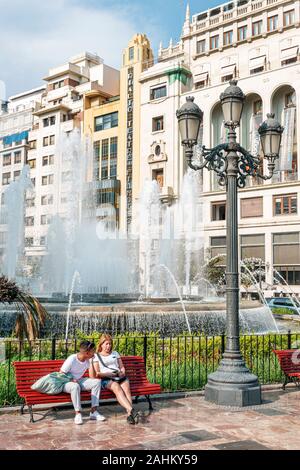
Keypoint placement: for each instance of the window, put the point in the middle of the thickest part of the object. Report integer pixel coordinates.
(288, 18)
(257, 107)
(29, 221)
(45, 141)
(16, 174)
(32, 163)
(48, 160)
(228, 38)
(242, 33)
(28, 241)
(107, 121)
(256, 28)
(289, 61)
(104, 161)
(217, 246)
(257, 70)
(158, 92)
(113, 157)
(32, 144)
(30, 202)
(18, 157)
(52, 140)
(273, 23)
(285, 205)
(43, 241)
(218, 211)
(49, 179)
(158, 124)
(59, 84)
(6, 178)
(33, 181)
(227, 78)
(201, 46)
(50, 121)
(286, 256)
(46, 219)
(158, 176)
(251, 207)
(47, 200)
(113, 148)
(253, 246)
(200, 84)
(7, 159)
(214, 42)
(131, 53)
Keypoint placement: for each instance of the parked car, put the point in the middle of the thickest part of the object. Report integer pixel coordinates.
(284, 302)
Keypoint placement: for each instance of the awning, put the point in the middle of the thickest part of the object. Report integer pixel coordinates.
(258, 62)
(9, 139)
(228, 70)
(289, 53)
(201, 77)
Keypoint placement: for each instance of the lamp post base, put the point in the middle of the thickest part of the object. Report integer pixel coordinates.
(233, 385)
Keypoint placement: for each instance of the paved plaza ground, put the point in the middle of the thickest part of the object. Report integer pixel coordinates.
(184, 423)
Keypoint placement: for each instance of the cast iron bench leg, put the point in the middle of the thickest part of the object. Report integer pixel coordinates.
(136, 399)
(31, 414)
(22, 409)
(149, 401)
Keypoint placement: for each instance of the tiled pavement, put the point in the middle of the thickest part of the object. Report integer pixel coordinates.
(182, 424)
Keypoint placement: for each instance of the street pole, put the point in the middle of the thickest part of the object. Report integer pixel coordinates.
(232, 384)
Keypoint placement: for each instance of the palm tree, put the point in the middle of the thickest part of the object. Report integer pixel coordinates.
(31, 314)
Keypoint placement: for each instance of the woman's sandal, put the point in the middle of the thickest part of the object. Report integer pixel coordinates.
(133, 417)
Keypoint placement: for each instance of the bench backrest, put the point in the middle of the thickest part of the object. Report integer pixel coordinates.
(289, 360)
(29, 372)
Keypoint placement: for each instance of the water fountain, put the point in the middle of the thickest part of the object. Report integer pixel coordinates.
(13, 213)
(160, 261)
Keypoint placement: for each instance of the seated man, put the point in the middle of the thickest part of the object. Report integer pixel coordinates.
(77, 365)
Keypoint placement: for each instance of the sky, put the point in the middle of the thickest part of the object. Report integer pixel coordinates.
(36, 35)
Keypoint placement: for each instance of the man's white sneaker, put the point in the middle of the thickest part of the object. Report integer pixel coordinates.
(97, 416)
(78, 419)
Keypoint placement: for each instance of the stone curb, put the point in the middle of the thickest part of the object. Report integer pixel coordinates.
(162, 396)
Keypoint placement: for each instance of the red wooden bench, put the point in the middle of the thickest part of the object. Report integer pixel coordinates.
(29, 372)
(289, 360)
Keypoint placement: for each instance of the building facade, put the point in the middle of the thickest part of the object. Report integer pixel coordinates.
(48, 137)
(256, 42)
(113, 125)
(16, 121)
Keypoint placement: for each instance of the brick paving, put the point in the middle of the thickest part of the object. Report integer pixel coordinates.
(186, 423)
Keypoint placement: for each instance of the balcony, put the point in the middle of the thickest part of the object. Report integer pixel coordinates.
(229, 12)
(166, 195)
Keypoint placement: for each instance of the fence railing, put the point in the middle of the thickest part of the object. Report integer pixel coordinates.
(178, 363)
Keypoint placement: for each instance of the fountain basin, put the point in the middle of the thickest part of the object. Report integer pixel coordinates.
(141, 317)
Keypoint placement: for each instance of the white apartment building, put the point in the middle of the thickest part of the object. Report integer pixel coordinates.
(61, 113)
(16, 120)
(256, 42)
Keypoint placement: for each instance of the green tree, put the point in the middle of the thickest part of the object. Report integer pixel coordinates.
(31, 314)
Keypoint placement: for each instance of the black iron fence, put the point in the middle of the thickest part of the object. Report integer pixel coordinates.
(178, 363)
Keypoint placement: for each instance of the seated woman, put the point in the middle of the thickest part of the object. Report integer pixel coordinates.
(108, 366)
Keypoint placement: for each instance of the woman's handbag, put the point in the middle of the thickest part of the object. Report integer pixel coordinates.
(114, 379)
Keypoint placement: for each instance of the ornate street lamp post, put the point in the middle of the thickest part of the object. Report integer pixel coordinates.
(232, 384)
